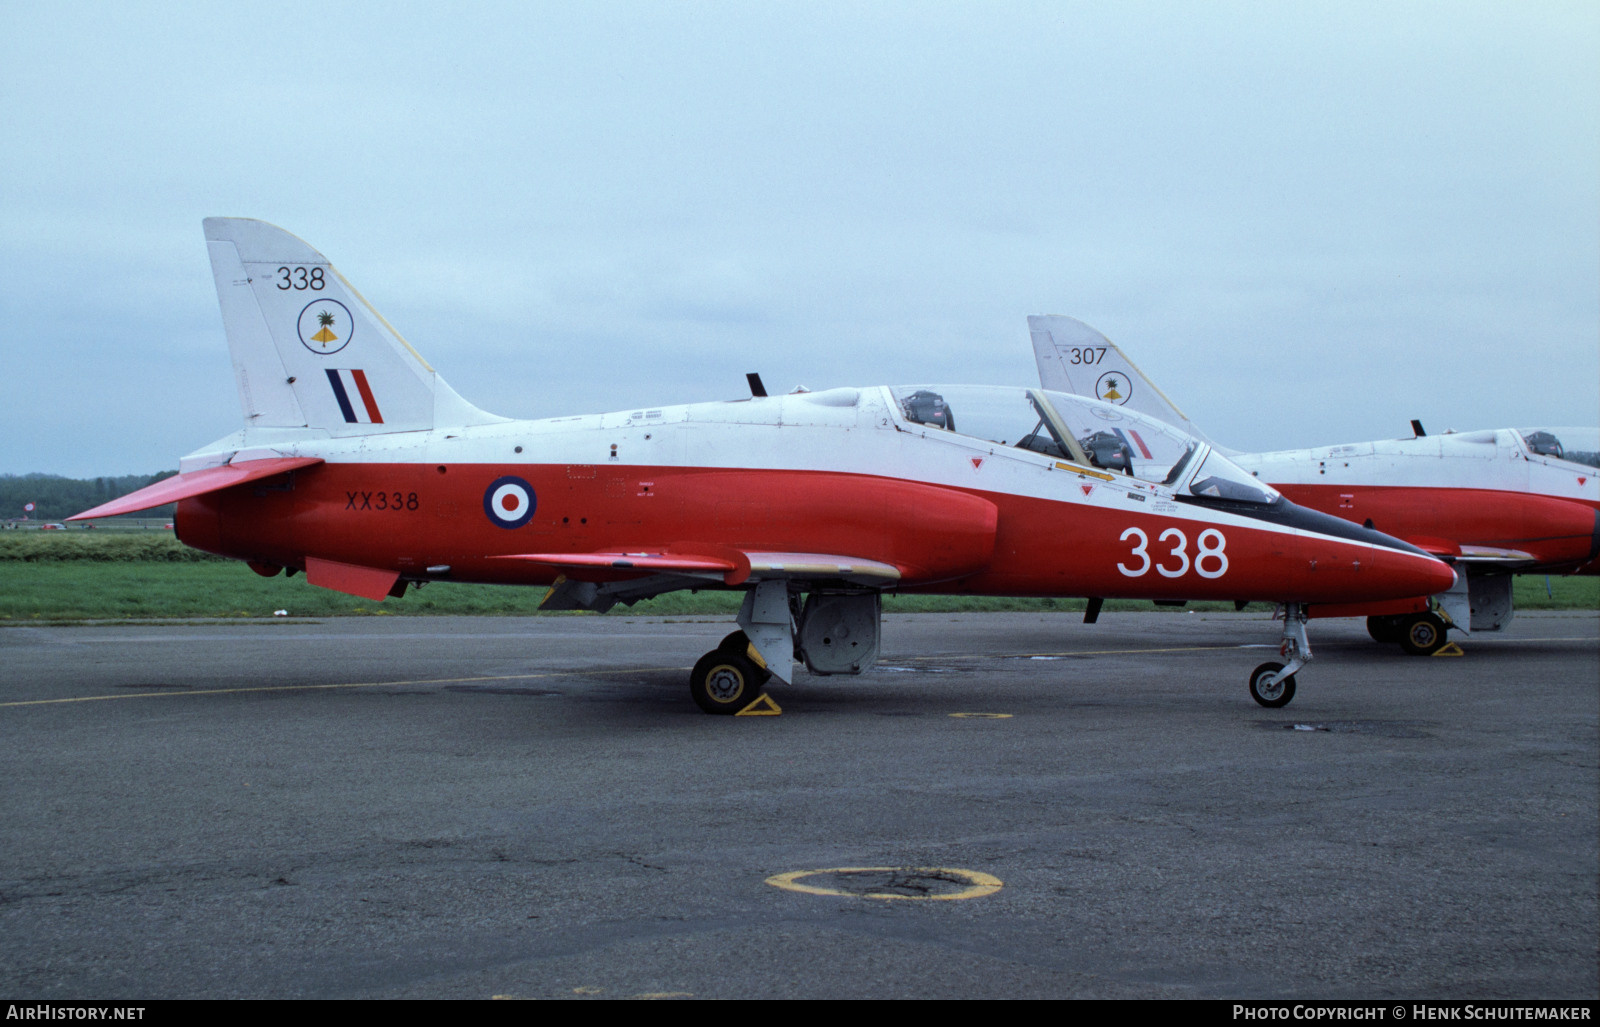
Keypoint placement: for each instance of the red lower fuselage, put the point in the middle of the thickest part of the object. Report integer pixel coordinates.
(408, 517)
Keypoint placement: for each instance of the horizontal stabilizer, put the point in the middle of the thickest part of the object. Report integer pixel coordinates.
(197, 483)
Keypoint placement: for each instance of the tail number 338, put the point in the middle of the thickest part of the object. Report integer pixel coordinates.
(1209, 559)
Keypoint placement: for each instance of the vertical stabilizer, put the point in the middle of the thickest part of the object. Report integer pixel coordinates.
(309, 351)
(1076, 359)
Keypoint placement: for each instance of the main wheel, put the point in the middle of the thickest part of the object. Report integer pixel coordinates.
(737, 642)
(1422, 635)
(1384, 629)
(725, 682)
(1271, 696)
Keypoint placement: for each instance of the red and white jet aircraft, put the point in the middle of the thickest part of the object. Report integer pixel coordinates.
(1494, 503)
(358, 465)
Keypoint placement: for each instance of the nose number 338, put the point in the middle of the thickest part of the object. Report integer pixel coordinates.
(1209, 559)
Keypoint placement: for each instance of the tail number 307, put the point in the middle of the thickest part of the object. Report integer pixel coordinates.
(1209, 559)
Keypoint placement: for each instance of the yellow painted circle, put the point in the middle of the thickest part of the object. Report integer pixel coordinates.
(984, 716)
(979, 884)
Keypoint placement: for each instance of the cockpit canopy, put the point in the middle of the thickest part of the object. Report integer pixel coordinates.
(1575, 445)
(1082, 431)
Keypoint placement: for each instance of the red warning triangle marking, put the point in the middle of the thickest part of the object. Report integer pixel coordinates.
(1086, 489)
(977, 462)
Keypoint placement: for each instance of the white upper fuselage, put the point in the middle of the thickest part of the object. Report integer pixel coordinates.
(1492, 459)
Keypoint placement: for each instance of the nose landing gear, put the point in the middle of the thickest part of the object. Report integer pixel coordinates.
(1272, 684)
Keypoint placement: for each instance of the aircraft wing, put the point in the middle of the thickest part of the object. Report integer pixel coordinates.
(197, 483)
(1488, 557)
(726, 564)
(1076, 359)
(1483, 558)
(646, 573)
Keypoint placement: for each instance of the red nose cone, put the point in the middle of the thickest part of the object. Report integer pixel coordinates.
(1438, 574)
(1405, 575)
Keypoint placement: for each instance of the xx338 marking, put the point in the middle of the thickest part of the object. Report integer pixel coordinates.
(395, 501)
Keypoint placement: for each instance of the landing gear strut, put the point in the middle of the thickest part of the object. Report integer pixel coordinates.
(1272, 684)
(833, 631)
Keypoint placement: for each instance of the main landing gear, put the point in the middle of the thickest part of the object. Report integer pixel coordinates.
(1272, 684)
(727, 679)
(1419, 634)
(831, 632)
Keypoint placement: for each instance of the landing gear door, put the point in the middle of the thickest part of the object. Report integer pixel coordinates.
(839, 634)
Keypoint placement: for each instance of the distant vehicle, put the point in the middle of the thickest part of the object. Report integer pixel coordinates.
(1493, 503)
(52, 527)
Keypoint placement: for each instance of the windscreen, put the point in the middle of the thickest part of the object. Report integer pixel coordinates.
(1221, 478)
(1068, 428)
(1575, 445)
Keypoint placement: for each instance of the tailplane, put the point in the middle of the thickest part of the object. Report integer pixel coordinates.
(309, 351)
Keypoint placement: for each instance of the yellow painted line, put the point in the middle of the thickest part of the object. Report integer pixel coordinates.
(311, 688)
(1080, 469)
(983, 716)
(979, 883)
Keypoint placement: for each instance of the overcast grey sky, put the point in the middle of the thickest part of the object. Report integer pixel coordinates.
(1308, 222)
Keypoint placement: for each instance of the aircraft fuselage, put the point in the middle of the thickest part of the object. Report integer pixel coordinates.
(1483, 485)
(834, 472)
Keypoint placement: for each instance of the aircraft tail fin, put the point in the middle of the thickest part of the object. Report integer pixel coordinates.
(309, 351)
(1076, 359)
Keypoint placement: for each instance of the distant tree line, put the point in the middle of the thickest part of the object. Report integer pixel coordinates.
(56, 498)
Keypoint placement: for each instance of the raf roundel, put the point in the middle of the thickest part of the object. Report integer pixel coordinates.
(509, 502)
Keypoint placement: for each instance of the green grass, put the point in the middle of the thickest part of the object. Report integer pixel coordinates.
(79, 575)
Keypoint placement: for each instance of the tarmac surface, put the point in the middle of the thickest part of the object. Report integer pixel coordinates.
(534, 808)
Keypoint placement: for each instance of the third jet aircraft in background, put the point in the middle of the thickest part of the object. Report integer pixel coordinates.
(1494, 503)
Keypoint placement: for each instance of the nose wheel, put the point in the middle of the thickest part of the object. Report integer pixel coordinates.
(1270, 687)
(1272, 684)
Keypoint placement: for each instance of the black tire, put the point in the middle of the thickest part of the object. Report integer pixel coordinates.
(1276, 696)
(725, 683)
(1422, 635)
(1384, 629)
(737, 642)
